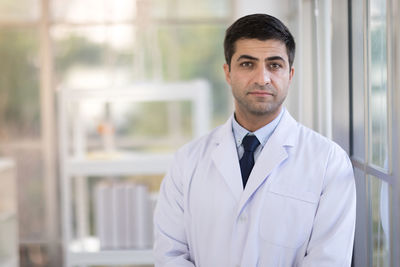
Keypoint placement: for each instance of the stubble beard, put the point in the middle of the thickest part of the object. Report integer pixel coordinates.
(260, 108)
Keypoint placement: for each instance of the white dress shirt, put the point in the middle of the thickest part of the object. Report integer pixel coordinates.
(262, 135)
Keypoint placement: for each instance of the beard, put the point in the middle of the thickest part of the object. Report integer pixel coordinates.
(261, 106)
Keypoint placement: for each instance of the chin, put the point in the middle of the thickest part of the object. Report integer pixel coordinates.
(264, 111)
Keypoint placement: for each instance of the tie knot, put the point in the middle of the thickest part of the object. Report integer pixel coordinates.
(250, 143)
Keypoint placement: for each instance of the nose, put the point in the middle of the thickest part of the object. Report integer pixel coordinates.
(263, 76)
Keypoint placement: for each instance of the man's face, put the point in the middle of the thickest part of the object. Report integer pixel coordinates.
(259, 76)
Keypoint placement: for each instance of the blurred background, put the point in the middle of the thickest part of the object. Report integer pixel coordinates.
(97, 95)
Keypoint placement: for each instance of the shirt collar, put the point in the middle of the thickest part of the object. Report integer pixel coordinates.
(262, 134)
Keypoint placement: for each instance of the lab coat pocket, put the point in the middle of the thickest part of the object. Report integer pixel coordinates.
(286, 220)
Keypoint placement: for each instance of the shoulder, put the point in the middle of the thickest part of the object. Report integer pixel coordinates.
(323, 156)
(316, 141)
(315, 151)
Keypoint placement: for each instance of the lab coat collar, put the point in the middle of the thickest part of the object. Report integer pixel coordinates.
(275, 151)
(226, 159)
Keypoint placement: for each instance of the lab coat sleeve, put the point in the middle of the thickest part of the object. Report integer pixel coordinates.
(170, 245)
(331, 241)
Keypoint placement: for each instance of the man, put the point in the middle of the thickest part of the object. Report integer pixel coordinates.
(260, 190)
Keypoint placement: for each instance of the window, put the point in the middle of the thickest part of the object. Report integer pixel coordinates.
(105, 43)
(373, 132)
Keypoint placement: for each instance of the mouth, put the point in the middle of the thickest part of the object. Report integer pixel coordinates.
(261, 93)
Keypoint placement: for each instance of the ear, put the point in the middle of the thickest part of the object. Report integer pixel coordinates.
(227, 73)
(291, 74)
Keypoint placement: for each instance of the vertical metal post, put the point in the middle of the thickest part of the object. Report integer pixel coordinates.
(300, 58)
(394, 20)
(367, 61)
(48, 134)
(339, 80)
(65, 181)
(316, 59)
(201, 109)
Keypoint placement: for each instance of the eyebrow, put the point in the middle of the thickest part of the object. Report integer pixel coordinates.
(275, 58)
(256, 59)
(247, 57)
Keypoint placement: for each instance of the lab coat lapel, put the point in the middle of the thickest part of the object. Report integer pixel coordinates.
(226, 159)
(273, 154)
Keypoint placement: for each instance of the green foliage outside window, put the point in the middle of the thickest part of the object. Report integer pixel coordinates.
(19, 84)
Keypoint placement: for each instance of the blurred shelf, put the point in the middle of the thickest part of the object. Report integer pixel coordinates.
(75, 161)
(88, 252)
(142, 92)
(120, 164)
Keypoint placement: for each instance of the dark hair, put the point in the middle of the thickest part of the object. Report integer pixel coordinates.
(258, 26)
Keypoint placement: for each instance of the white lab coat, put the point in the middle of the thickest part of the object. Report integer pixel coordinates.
(298, 207)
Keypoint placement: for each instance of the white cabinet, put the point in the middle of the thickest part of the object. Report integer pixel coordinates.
(8, 215)
(82, 158)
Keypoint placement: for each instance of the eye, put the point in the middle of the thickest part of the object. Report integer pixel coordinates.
(275, 66)
(246, 64)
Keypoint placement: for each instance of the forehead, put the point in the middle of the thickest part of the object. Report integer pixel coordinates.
(260, 49)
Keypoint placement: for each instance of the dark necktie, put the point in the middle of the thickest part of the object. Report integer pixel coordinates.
(250, 144)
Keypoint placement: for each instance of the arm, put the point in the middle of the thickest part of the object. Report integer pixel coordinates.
(331, 241)
(170, 246)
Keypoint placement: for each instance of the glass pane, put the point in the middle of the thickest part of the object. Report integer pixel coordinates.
(19, 85)
(191, 8)
(93, 10)
(92, 57)
(378, 84)
(380, 222)
(17, 10)
(123, 10)
(107, 56)
(191, 52)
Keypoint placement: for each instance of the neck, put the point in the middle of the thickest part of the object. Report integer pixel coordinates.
(252, 122)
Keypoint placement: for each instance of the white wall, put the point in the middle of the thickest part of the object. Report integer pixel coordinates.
(275, 8)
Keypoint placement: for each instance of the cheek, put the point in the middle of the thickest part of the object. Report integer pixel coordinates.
(240, 80)
(281, 81)
(239, 86)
